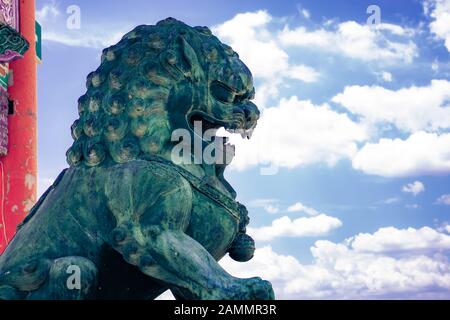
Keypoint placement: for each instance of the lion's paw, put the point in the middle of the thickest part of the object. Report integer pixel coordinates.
(256, 289)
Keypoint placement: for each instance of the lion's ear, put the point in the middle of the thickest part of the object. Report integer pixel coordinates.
(191, 58)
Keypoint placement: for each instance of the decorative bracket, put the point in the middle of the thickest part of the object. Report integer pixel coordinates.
(12, 44)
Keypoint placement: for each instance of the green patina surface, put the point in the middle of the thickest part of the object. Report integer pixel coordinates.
(134, 223)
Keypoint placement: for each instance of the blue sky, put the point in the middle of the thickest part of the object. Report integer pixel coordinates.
(355, 118)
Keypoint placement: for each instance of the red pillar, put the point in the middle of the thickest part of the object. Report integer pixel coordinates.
(19, 166)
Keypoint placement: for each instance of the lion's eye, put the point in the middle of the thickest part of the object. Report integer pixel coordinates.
(222, 92)
(249, 95)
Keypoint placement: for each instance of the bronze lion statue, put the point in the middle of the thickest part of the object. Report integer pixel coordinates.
(126, 221)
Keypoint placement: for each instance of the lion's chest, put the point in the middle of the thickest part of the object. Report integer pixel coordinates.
(212, 225)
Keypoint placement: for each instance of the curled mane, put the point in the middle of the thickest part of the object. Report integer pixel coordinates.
(123, 114)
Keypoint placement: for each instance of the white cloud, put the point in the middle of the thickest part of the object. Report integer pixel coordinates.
(258, 47)
(297, 133)
(412, 206)
(409, 109)
(415, 188)
(83, 39)
(303, 73)
(248, 35)
(420, 154)
(384, 76)
(439, 11)
(89, 36)
(358, 41)
(305, 13)
(302, 227)
(269, 205)
(366, 266)
(300, 207)
(272, 209)
(309, 134)
(394, 29)
(444, 199)
(391, 239)
(48, 11)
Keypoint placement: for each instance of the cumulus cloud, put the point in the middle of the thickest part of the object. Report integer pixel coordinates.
(300, 207)
(248, 33)
(409, 109)
(421, 153)
(439, 11)
(444, 199)
(358, 41)
(302, 227)
(415, 188)
(297, 133)
(365, 266)
(311, 134)
(391, 239)
(303, 73)
(422, 111)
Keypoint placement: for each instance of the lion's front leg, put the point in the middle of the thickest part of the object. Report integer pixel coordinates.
(152, 212)
(186, 267)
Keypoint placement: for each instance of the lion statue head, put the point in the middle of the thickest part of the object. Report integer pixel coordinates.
(157, 79)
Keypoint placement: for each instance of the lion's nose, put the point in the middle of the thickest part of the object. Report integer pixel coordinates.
(251, 112)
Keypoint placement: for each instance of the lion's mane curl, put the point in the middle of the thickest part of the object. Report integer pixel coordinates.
(123, 114)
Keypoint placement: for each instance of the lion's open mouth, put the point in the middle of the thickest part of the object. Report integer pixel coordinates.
(220, 133)
(210, 126)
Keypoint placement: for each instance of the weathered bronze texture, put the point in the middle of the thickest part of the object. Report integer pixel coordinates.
(130, 220)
